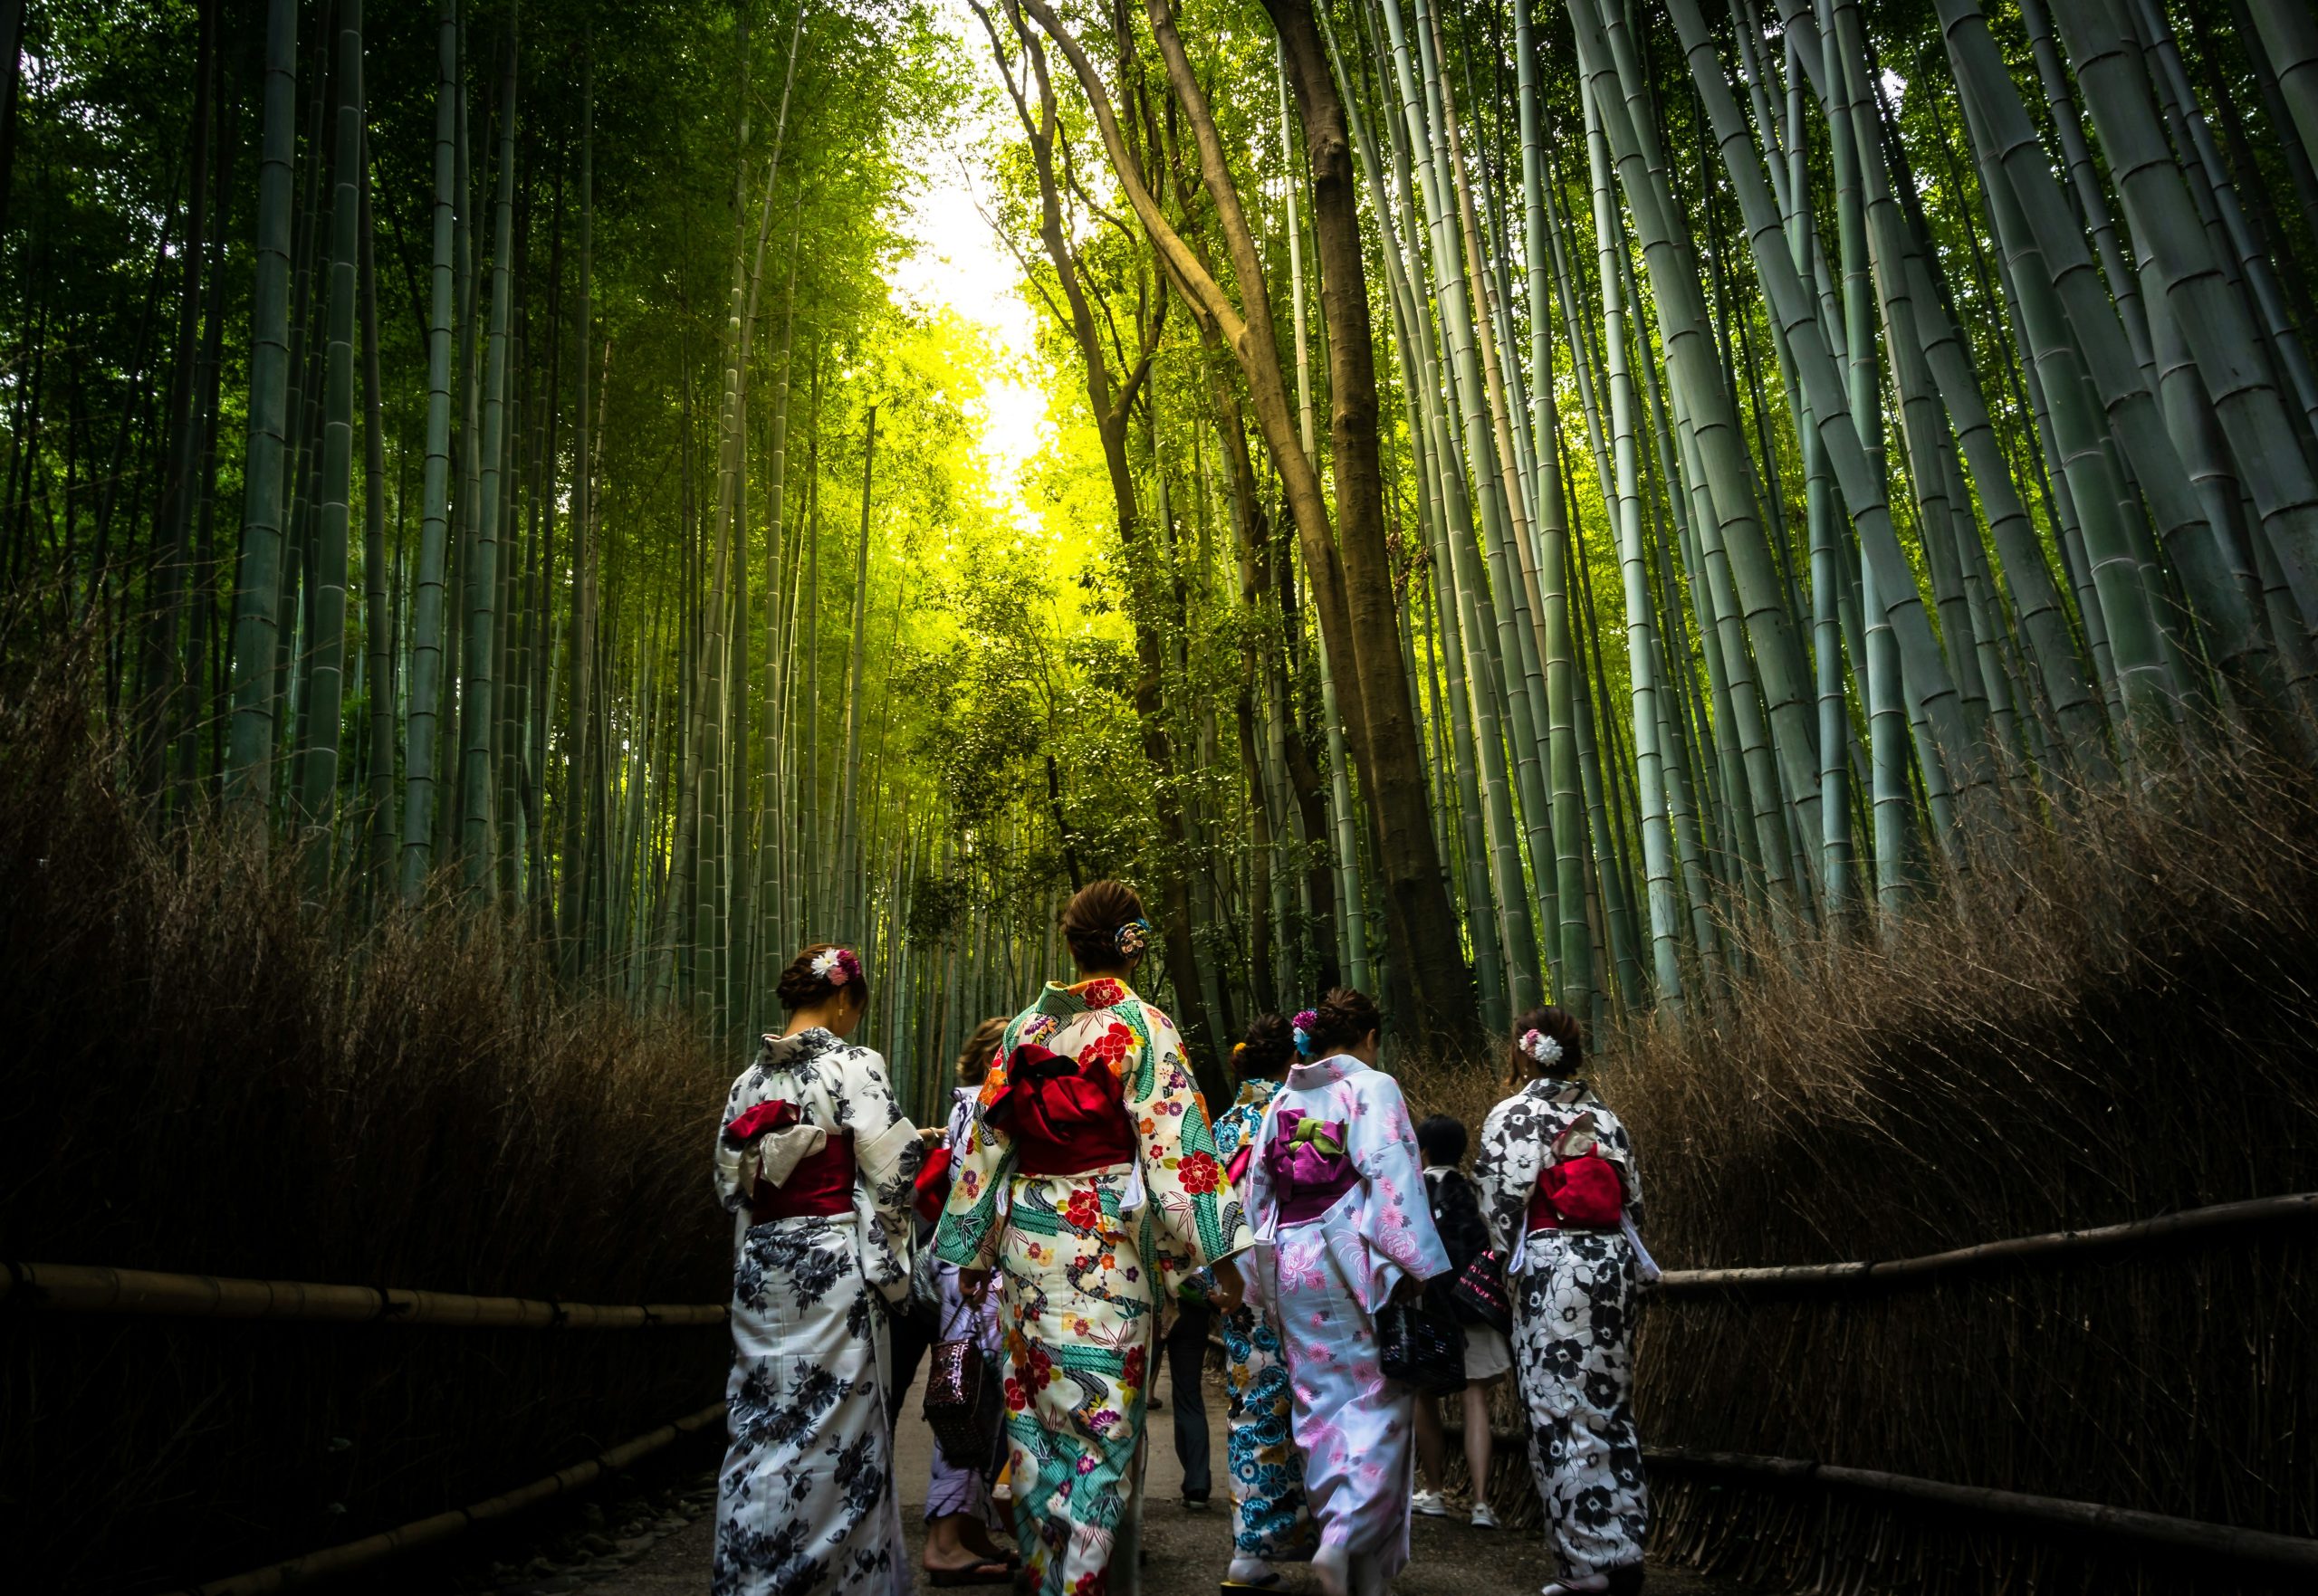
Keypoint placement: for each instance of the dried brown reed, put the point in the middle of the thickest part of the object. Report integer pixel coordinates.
(2108, 1016)
(210, 1075)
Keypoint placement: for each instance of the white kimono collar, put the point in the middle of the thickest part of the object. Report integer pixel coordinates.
(1321, 1072)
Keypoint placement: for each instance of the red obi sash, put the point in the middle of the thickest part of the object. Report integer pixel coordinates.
(821, 1183)
(1307, 1163)
(1063, 1116)
(1583, 1193)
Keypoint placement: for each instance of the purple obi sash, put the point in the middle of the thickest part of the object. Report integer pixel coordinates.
(1305, 1156)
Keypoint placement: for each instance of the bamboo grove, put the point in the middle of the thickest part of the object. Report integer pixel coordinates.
(1541, 501)
(1806, 440)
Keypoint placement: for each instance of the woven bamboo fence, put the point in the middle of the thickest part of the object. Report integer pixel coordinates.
(91, 1289)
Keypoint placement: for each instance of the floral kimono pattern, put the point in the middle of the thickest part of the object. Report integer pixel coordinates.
(1572, 1295)
(1269, 1517)
(1087, 1259)
(806, 1501)
(952, 1487)
(1326, 1278)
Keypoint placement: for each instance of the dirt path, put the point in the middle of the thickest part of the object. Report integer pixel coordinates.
(1183, 1552)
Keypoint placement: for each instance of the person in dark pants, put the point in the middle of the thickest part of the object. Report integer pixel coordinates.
(1186, 1367)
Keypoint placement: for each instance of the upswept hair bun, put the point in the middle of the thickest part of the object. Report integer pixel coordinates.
(1343, 1020)
(819, 973)
(1266, 1049)
(1105, 926)
(1549, 1041)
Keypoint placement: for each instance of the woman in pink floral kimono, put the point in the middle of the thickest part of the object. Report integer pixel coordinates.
(1336, 1189)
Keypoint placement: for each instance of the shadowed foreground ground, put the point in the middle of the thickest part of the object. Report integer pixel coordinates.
(1185, 1552)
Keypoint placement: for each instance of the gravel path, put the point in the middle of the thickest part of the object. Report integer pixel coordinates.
(1184, 1553)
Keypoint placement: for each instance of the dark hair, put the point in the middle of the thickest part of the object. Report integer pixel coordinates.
(1267, 1048)
(1442, 1139)
(1343, 1020)
(1091, 922)
(1559, 1024)
(803, 986)
(974, 1064)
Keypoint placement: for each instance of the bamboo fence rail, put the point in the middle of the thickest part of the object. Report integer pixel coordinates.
(426, 1532)
(1790, 1277)
(83, 1288)
(2223, 1541)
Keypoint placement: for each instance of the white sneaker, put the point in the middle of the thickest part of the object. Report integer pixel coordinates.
(1430, 1504)
(1483, 1519)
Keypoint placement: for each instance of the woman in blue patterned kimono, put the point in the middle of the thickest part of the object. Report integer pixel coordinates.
(1558, 1183)
(1265, 1474)
(815, 1162)
(1336, 1189)
(1089, 1180)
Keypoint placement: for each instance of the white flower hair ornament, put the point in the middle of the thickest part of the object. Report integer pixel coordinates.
(1133, 937)
(835, 966)
(1541, 1049)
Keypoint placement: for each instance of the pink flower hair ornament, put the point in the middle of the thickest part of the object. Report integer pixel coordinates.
(1305, 1020)
(1541, 1049)
(837, 965)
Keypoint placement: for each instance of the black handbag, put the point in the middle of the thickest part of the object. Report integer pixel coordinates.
(1421, 1348)
(1480, 1292)
(963, 1404)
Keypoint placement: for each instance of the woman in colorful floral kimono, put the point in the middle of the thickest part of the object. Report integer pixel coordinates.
(1089, 1180)
(1265, 1474)
(1558, 1183)
(960, 1516)
(815, 1162)
(1336, 1189)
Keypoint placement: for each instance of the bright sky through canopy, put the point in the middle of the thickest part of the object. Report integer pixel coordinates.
(959, 265)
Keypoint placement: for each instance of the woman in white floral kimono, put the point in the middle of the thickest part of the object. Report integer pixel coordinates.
(1336, 1190)
(815, 1162)
(1090, 1181)
(1559, 1187)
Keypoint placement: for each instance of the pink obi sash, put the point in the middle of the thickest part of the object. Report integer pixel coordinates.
(1064, 1118)
(1306, 1159)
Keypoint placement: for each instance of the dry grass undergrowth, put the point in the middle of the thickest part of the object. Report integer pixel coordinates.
(2110, 1018)
(207, 1075)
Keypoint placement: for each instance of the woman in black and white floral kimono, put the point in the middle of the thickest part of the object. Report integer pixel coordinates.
(815, 1161)
(1560, 1188)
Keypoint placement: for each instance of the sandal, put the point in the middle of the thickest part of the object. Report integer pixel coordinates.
(990, 1572)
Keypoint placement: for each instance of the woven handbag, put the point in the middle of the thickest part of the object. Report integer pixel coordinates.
(1480, 1292)
(1423, 1350)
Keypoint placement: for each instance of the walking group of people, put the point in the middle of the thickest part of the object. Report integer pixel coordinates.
(1078, 1192)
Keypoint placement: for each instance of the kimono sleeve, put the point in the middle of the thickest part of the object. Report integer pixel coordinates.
(1195, 1210)
(1400, 1210)
(886, 1148)
(980, 1168)
(1617, 1146)
(1505, 1171)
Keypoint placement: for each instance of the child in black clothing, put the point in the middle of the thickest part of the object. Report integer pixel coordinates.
(1457, 1215)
